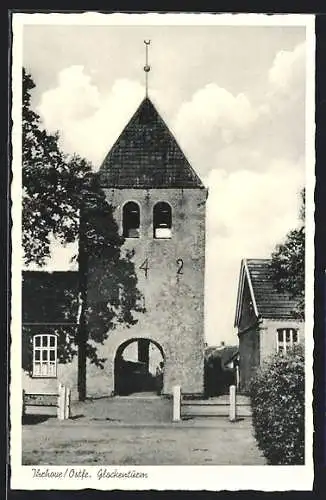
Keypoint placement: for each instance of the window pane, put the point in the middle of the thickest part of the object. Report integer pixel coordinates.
(52, 355)
(37, 341)
(37, 355)
(51, 370)
(44, 355)
(295, 336)
(280, 335)
(44, 340)
(288, 335)
(44, 369)
(52, 341)
(37, 369)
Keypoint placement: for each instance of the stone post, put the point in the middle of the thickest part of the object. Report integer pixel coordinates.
(176, 403)
(61, 402)
(67, 403)
(24, 406)
(233, 404)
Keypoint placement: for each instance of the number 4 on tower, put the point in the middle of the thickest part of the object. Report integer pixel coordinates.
(144, 267)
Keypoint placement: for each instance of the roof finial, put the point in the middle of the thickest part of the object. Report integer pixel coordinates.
(147, 67)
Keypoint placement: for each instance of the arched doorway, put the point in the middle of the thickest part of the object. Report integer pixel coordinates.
(135, 367)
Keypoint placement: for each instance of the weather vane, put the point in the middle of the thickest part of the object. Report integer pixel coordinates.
(147, 67)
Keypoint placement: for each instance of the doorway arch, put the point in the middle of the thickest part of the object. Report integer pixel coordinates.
(135, 366)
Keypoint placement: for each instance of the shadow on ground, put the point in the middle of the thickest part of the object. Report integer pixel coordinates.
(35, 419)
(39, 419)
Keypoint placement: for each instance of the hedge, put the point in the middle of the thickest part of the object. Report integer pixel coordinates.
(277, 400)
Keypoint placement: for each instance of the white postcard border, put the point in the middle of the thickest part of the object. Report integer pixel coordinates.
(264, 478)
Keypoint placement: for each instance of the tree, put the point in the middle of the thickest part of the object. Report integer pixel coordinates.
(49, 179)
(288, 263)
(62, 197)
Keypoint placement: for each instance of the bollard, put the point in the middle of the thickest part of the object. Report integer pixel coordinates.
(233, 404)
(176, 403)
(67, 403)
(237, 375)
(61, 402)
(24, 406)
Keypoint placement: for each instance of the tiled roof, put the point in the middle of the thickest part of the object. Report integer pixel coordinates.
(49, 297)
(226, 353)
(146, 155)
(271, 303)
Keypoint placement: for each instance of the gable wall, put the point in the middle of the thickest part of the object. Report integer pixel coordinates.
(249, 352)
(268, 334)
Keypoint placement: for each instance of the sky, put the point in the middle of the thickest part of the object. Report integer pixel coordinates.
(233, 96)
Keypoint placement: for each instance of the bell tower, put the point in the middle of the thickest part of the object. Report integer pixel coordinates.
(160, 205)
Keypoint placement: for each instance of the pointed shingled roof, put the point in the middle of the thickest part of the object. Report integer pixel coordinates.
(146, 155)
(268, 301)
(271, 302)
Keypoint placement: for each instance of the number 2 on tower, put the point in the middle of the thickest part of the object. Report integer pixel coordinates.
(180, 264)
(144, 267)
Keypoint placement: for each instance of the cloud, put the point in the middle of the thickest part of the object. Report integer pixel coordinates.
(211, 120)
(244, 201)
(219, 129)
(89, 122)
(219, 107)
(288, 70)
(248, 213)
(73, 99)
(249, 152)
(285, 104)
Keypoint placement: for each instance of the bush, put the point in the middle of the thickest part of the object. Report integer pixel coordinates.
(277, 399)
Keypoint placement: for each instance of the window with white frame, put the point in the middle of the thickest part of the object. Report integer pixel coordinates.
(45, 355)
(286, 339)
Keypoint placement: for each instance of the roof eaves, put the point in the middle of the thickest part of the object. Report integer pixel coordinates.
(251, 287)
(239, 295)
(197, 179)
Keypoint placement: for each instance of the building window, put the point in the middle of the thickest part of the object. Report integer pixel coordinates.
(131, 220)
(44, 355)
(162, 220)
(286, 339)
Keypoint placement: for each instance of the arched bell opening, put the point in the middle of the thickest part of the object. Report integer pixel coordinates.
(162, 220)
(131, 220)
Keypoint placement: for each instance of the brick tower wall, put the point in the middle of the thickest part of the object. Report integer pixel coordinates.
(174, 316)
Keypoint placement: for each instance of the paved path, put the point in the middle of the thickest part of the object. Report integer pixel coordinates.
(225, 444)
(100, 433)
(124, 409)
